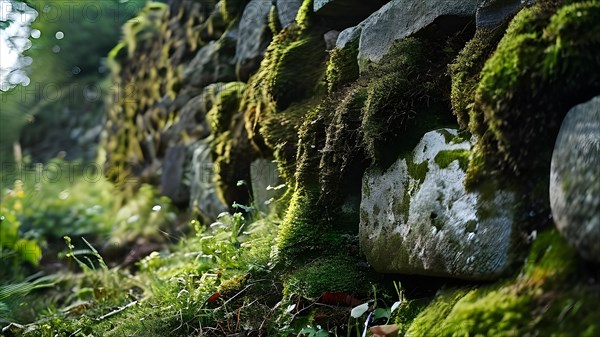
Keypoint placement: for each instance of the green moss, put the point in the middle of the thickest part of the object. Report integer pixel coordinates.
(342, 67)
(290, 73)
(274, 22)
(336, 274)
(417, 171)
(549, 298)
(230, 9)
(542, 67)
(305, 16)
(407, 96)
(551, 256)
(280, 132)
(143, 27)
(226, 105)
(445, 158)
(232, 286)
(298, 70)
(116, 56)
(466, 69)
(323, 218)
(232, 156)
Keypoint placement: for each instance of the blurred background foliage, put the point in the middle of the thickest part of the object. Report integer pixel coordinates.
(53, 86)
(61, 108)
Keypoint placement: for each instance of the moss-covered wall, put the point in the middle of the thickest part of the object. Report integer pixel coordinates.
(324, 123)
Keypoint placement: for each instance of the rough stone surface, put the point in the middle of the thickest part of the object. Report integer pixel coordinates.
(192, 122)
(399, 19)
(287, 11)
(213, 62)
(254, 37)
(330, 38)
(172, 175)
(265, 177)
(417, 217)
(575, 179)
(492, 13)
(341, 14)
(204, 199)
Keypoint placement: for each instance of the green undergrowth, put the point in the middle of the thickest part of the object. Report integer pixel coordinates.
(552, 296)
(215, 283)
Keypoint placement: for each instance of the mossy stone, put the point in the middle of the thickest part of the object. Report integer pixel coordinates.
(542, 67)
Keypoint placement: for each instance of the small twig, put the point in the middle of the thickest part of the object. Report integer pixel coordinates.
(74, 333)
(116, 311)
(236, 295)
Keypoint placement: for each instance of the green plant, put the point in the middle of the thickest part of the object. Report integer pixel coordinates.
(12, 294)
(14, 249)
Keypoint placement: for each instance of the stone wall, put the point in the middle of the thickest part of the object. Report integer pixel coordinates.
(420, 130)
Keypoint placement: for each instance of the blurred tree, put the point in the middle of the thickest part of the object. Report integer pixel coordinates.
(57, 88)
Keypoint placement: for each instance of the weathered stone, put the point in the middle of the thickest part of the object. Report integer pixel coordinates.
(213, 63)
(172, 175)
(417, 217)
(215, 25)
(575, 179)
(204, 199)
(330, 38)
(191, 124)
(399, 19)
(287, 11)
(492, 13)
(341, 14)
(254, 38)
(265, 177)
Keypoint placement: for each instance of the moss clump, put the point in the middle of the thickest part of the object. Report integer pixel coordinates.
(230, 9)
(408, 94)
(274, 22)
(298, 70)
(287, 85)
(542, 67)
(305, 17)
(280, 133)
(549, 298)
(232, 286)
(226, 104)
(232, 156)
(337, 274)
(231, 149)
(465, 72)
(329, 161)
(445, 158)
(342, 67)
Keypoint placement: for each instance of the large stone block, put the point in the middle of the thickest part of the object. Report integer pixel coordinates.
(213, 63)
(417, 218)
(287, 11)
(493, 13)
(341, 14)
(204, 198)
(399, 19)
(575, 179)
(254, 38)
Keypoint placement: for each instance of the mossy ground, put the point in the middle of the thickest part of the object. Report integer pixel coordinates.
(554, 295)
